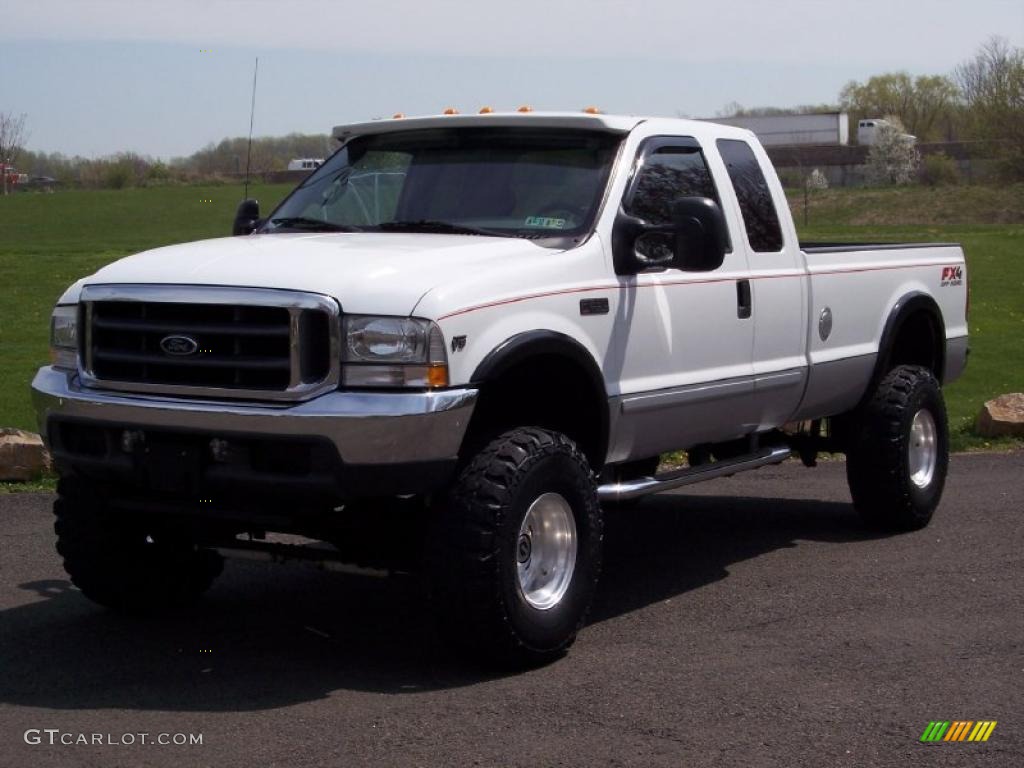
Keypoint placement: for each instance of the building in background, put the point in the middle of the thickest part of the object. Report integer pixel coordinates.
(819, 129)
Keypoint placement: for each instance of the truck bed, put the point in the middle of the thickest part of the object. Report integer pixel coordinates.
(858, 286)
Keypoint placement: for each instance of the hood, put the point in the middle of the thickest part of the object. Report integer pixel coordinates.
(373, 273)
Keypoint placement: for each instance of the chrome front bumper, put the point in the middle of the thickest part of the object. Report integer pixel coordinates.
(366, 428)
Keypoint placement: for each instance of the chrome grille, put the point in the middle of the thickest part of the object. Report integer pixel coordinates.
(209, 341)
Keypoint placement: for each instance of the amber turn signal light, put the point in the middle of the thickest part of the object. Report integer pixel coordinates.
(437, 376)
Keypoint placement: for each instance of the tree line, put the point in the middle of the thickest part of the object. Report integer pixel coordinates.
(981, 100)
(225, 159)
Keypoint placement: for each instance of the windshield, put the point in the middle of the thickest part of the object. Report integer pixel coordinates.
(507, 182)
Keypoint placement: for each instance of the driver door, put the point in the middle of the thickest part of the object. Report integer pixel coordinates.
(683, 341)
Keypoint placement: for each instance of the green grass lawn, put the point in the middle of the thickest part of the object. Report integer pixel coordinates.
(48, 241)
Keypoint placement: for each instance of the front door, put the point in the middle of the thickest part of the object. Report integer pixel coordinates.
(682, 345)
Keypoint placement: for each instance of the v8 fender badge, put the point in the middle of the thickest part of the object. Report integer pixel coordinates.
(458, 343)
(178, 345)
(951, 276)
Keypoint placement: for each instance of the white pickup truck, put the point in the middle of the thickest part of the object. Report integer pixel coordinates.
(460, 337)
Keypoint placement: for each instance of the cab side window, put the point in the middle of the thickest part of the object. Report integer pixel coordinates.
(667, 173)
(759, 215)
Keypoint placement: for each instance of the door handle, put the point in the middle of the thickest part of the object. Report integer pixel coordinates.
(743, 301)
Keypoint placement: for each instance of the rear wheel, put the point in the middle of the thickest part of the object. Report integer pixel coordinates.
(899, 451)
(125, 563)
(516, 550)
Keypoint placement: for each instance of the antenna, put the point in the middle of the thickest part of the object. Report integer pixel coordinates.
(252, 115)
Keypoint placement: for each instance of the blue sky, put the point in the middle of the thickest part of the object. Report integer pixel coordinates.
(98, 76)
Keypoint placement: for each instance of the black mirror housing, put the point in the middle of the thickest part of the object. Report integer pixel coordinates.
(702, 235)
(626, 234)
(247, 217)
(696, 240)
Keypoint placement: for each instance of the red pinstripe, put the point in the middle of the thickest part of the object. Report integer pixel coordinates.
(566, 291)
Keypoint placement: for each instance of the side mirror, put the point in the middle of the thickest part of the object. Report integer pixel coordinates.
(702, 236)
(696, 240)
(247, 217)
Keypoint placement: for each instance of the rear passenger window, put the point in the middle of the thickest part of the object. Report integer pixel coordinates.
(668, 173)
(759, 215)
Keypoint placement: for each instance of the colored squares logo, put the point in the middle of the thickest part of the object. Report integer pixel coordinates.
(958, 730)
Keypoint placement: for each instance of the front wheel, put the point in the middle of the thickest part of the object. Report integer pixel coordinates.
(899, 452)
(123, 563)
(516, 549)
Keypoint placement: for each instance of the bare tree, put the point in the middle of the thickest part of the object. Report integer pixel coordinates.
(12, 138)
(992, 86)
(812, 181)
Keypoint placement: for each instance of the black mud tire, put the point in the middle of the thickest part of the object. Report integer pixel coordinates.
(478, 601)
(123, 564)
(878, 465)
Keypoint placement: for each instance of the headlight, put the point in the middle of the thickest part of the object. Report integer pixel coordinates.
(393, 352)
(64, 337)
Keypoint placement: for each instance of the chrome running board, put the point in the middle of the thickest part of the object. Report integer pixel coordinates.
(643, 486)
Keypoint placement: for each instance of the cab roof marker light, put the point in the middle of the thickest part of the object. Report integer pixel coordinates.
(398, 116)
(525, 108)
(450, 111)
(591, 111)
(486, 110)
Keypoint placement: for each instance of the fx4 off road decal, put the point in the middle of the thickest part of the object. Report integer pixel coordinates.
(951, 276)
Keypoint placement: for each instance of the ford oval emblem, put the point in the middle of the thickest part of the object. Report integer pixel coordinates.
(178, 345)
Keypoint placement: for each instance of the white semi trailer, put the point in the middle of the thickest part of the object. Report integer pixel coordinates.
(825, 128)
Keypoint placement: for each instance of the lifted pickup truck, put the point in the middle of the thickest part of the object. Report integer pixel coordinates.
(460, 337)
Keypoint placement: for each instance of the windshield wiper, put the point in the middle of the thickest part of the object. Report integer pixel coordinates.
(438, 227)
(313, 225)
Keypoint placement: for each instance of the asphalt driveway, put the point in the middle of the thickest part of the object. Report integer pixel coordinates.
(750, 622)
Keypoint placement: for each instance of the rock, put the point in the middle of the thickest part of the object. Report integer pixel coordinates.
(22, 455)
(1002, 417)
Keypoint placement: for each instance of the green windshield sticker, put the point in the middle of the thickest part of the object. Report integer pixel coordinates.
(543, 222)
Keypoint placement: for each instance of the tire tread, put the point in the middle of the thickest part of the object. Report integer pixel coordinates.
(467, 564)
(98, 556)
(877, 468)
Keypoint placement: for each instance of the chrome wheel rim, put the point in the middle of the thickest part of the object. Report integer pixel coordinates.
(546, 551)
(923, 450)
